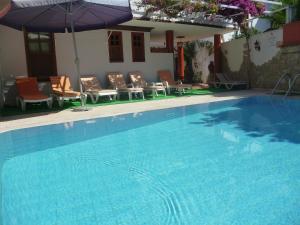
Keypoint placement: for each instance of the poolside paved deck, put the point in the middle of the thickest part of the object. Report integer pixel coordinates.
(31, 120)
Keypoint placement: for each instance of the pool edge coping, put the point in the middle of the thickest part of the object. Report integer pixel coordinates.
(67, 116)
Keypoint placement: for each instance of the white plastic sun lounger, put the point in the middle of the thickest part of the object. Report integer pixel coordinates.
(227, 82)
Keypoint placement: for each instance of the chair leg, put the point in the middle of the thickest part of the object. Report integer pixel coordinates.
(118, 96)
(93, 98)
(60, 102)
(50, 103)
(17, 101)
(97, 99)
(129, 96)
(114, 97)
(143, 96)
(229, 86)
(154, 93)
(84, 98)
(179, 91)
(23, 105)
(217, 85)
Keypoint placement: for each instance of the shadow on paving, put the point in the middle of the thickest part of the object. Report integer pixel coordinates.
(9, 113)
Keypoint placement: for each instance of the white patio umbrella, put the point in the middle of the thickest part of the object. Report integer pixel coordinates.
(59, 16)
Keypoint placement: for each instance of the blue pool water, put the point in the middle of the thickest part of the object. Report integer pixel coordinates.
(234, 162)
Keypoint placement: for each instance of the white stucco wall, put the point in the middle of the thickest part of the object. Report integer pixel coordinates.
(12, 52)
(202, 61)
(268, 46)
(234, 51)
(94, 56)
(93, 53)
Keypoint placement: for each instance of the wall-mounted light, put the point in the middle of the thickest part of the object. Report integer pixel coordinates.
(257, 45)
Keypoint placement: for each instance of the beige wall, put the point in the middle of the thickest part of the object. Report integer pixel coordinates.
(93, 53)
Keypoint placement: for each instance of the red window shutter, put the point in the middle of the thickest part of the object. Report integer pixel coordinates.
(138, 47)
(115, 45)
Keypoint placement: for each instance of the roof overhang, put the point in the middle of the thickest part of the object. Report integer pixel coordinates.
(186, 30)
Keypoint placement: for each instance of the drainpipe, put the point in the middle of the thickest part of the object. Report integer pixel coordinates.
(217, 55)
(180, 52)
(288, 14)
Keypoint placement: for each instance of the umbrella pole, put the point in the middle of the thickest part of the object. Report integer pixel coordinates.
(77, 63)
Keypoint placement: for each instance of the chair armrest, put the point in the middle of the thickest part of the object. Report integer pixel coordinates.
(158, 83)
(165, 83)
(130, 85)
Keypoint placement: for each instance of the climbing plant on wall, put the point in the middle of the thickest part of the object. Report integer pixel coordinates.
(174, 8)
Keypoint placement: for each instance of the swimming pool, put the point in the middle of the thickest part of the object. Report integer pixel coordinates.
(233, 162)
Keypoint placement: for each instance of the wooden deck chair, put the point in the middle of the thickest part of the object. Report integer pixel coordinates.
(92, 87)
(117, 82)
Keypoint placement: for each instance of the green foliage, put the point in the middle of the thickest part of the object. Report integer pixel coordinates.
(189, 50)
(197, 78)
(297, 7)
(189, 54)
(278, 19)
(175, 8)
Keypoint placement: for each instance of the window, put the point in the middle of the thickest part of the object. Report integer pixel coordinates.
(115, 45)
(138, 47)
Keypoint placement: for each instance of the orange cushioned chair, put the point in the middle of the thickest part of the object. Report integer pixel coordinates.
(63, 91)
(29, 92)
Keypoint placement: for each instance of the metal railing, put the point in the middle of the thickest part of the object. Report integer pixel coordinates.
(285, 76)
(292, 84)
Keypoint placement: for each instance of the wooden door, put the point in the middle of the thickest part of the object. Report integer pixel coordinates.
(40, 53)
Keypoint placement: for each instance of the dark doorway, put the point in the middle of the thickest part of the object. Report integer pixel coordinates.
(40, 53)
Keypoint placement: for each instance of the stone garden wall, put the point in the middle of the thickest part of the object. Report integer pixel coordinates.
(264, 65)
